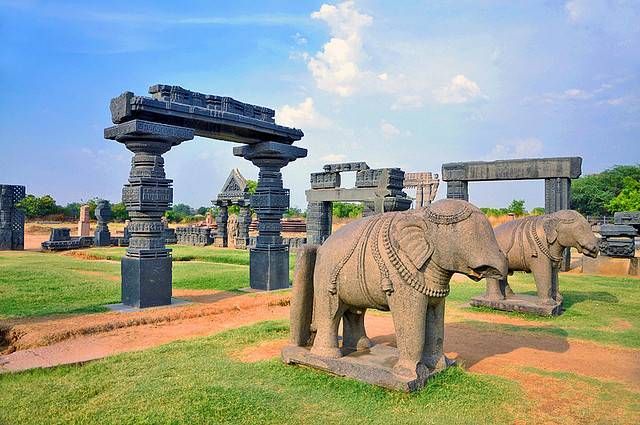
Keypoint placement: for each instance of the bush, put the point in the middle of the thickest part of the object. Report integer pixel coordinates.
(593, 194)
(344, 210)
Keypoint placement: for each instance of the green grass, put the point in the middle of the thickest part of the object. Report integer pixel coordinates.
(602, 309)
(196, 381)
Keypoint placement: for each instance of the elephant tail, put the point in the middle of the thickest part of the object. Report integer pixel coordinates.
(301, 312)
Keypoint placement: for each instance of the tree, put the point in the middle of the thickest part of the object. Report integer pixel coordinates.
(516, 207)
(538, 211)
(344, 209)
(251, 186)
(72, 210)
(293, 212)
(119, 212)
(629, 197)
(592, 194)
(39, 207)
(202, 211)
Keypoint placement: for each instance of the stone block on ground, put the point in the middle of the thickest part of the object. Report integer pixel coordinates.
(520, 303)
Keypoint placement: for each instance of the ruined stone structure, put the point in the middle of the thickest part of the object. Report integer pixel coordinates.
(536, 245)
(380, 190)
(84, 227)
(11, 217)
(150, 127)
(630, 218)
(618, 240)
(60, 240)
(556, 172)
(426, 186)
(400, 262)
(194, 236)
(234, 192)
(102, 236)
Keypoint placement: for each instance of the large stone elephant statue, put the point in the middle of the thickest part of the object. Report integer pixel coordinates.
(397, 261)
(536, 245)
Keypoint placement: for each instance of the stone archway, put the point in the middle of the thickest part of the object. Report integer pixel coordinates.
(234, 192)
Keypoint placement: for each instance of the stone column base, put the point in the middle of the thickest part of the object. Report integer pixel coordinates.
(102, 238)
(374, 366)
(146, 282)
(269, 270)
(219, 242)
(520, 303)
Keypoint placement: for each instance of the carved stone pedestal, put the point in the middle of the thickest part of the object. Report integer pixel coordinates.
(521, 303)
(374, 366)
(269, 259)
(146, 268)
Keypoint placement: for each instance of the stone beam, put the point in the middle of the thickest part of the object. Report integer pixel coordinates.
(341, 195)
(210, 116)
(514, 169)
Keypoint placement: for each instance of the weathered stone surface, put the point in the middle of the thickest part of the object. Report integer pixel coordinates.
(345, 166)
(84, 227)
(102, 236)
(11, 217)
(209, 116)
(630, 218)
(536, 245)
(146, 282)
(605, 265)
(618, 230)
(521, 303)
(60, 240)
(618, 240)
(194, 236)
(373, 365)
(513, 169)
(400, 262)
(234, 192)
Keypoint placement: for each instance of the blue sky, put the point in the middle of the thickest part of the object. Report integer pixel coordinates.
(407, 84)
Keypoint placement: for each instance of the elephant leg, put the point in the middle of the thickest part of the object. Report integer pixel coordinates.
(506, 289)
(409, 313)
(543, 275)
(494, 290)
(327, 320)
(555, 284)
(354, 335)
(433, 352)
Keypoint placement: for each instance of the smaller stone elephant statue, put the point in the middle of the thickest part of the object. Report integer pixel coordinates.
(536, 245)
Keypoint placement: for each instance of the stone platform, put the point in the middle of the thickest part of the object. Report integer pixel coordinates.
(374, 366)
(609, 266)
(519, 302)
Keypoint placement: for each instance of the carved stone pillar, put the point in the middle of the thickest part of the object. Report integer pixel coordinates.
(269, 259)
(319, 222)
(11, 217)
(102, 236)
(146, 268)
(222, 237)
(244, 221)
(458, 189)
(557, 196)
(420, 196)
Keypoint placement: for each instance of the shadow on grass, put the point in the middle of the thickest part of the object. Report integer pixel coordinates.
(574, 297)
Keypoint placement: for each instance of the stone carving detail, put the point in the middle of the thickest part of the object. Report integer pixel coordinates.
(194, 236)
(426, 185)
(234, 192)
(379, 190)
(617, 240)
(60, 239)
(11, 217)
(397, 261)
(536, 245)
(631, 218)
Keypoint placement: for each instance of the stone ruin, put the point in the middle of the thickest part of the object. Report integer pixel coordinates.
(102, 236)
(617, 240)
(426, 186)
(234, 192)
(380, 190)
(84, 226)
(149, 126)
(11, 217)
(60, 239)
(194, 236)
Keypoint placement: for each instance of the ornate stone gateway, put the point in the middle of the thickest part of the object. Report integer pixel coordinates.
(234, 192)
(11, 218)
(556, 172)
(426, 186)
(150, 127)
(380, 190)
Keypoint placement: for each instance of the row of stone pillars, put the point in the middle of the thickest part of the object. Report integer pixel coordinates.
(222, 227)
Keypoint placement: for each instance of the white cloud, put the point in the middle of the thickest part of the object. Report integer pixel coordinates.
(299, 39)
(389, 130)
(615, 102)
(336, 68)
(333, 157)
(384, 76)
(519, 148)
(301, 116)
(460, 90)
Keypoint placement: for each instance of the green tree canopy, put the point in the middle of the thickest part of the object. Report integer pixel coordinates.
(34, 206)
(629, 197)
(592, 194)
(345, 209)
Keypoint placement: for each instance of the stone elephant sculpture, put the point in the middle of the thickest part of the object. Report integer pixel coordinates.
(397, 261)
(536, 245)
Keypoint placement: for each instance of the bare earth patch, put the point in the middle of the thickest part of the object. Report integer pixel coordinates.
(263, 351)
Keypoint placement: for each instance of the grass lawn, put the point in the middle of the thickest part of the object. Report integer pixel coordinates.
(196, 381)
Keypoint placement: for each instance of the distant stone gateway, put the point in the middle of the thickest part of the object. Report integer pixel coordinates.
(151, 126)
(426, 186)
(234, 192)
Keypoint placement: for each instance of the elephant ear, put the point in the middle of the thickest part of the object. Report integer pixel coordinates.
(412, 238)
(550, 226)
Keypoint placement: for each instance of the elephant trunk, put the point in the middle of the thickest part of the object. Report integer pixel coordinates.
(301, 312)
